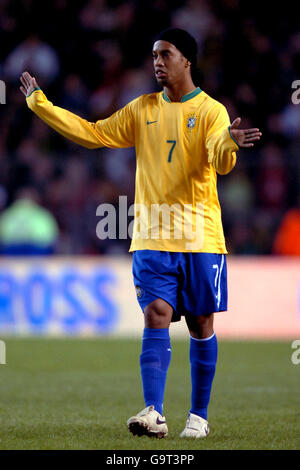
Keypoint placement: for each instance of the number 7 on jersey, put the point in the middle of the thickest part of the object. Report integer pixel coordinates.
(173, 142)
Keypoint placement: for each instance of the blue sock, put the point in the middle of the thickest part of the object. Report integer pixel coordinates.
(203, 359)
(154, 362)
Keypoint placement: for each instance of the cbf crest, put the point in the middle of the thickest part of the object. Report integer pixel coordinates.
(191, 120)
(139, 292)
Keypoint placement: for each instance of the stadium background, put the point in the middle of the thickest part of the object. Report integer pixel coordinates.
(92, 58)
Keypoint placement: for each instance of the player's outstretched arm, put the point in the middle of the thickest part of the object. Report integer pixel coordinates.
(68, 124)
(244, 137)
(117, 131)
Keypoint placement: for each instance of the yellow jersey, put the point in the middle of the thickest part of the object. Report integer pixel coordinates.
(180, 148)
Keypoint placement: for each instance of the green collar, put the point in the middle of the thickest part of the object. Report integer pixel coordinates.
(186, 97)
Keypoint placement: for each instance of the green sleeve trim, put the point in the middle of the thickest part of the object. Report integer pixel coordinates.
(36, 88)
(232, 137)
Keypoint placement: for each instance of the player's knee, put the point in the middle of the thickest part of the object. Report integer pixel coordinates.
(158, 314)
(200, 326)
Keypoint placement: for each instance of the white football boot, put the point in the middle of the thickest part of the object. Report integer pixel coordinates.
(148, 422)
(195, 427)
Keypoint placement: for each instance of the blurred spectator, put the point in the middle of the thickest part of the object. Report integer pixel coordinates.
(103, 101)
(287, 238)
(197, 17)
(272, 178)
(134, 83)
(97, 16)
(34, 55)
(237, 194)
(74, 95)
(26, 228)
(290, 120)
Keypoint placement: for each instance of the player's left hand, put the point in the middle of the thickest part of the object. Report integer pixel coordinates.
(244, 137)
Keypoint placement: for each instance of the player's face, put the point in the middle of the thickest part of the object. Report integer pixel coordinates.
(169, 63)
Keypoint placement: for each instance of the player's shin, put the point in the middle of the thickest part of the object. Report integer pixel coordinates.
(203, 359)
(154, 362)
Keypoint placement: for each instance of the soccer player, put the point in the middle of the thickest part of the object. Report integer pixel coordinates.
(183, 138)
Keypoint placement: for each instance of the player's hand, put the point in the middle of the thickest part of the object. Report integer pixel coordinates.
(244, 137)
(29, 83)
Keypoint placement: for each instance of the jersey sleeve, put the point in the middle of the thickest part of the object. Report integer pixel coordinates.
(220, 145)
(117, 131)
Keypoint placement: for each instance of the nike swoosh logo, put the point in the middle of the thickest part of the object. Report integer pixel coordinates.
(158, 421)
(150, 122)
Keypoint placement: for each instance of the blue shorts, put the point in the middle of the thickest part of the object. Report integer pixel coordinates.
(192, 283)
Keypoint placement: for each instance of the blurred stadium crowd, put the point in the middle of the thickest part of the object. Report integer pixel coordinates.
(92, 57)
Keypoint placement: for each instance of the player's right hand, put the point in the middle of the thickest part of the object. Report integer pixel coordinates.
(29, 83)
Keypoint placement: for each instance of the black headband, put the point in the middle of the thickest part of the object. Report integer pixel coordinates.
(183, 41)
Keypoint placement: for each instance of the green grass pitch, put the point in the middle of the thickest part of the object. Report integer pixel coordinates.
(79, 393)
